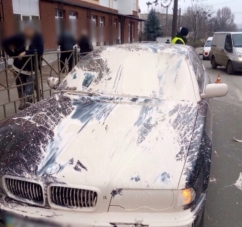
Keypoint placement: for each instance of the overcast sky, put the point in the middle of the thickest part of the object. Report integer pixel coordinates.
(235, 5)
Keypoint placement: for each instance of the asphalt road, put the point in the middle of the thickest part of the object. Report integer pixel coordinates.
(224, 200)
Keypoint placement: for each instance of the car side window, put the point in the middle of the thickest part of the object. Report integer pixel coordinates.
(228, 44)
(198, 70)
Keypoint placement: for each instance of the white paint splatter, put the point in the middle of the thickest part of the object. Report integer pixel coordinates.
(213, 180)
(216, 153)
(238, 183)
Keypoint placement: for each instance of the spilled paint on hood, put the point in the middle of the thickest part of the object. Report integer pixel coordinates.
(238, 183)
(101, 139)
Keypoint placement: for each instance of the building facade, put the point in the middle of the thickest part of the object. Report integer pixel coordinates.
(108, 21)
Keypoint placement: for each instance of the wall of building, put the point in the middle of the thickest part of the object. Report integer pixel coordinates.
(106, 3)
(92, 1)
(115, 4)
(112, 31)
(26, 7)
(8, 23)
(124, 7)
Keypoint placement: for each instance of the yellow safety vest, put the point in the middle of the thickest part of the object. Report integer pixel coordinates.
(174, 40)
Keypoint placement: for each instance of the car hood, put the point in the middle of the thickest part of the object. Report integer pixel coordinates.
(99, 141)
(238, 50)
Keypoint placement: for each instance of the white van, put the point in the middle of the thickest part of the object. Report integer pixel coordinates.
(207, 48)
(227, 51)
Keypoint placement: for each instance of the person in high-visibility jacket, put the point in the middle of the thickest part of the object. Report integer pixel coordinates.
(180, 38)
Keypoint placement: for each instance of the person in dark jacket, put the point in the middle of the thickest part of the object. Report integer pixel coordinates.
(66, 42)
(180, 38)
(85, 44)
(19, 46)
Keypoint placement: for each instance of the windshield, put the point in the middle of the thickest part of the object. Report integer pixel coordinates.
(208, 43)
(237, 40)
(158, 73)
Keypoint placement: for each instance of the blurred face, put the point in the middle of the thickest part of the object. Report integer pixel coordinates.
(28, 32)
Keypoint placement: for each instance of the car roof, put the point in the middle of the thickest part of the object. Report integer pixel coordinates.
(228, 33)
(155, 47)
(210, 38)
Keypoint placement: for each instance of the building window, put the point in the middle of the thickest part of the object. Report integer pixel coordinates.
(72, 15)
(115, 23)
(102, 21)
(59, 14)
(94, 20)
(19, 18)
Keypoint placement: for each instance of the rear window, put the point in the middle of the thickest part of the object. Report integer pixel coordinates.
(208, 43)
(159, 73)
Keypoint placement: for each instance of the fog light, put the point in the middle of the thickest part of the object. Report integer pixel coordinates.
(186, 196)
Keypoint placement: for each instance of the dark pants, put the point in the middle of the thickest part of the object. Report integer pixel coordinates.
(69, 57)
(25, 87)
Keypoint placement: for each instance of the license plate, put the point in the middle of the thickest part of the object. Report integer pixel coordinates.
(128, 225)
(21, 222)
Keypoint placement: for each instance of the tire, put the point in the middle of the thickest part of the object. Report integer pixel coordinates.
(214, 64)
(202, 221)
(230, 68)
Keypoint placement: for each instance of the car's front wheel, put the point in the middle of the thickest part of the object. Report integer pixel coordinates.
(202, 221)
(230, 68)
(214, 64)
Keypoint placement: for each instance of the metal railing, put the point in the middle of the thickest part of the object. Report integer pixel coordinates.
(13, 83)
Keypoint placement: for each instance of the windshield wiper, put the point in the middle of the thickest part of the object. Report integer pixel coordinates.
(79, 92)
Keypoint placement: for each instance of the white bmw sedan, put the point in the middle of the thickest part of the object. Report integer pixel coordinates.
(125, 141)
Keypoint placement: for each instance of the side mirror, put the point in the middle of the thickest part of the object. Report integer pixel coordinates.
(215, 90)
(53, 82)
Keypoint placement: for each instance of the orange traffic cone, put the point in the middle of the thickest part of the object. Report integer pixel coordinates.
(218, 81)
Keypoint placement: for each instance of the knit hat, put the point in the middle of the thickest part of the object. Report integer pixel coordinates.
(184, 31)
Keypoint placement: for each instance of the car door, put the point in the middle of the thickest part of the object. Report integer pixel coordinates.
(227, 51)
(217, 43)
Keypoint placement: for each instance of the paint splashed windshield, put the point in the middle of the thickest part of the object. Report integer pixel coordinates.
(136, 71)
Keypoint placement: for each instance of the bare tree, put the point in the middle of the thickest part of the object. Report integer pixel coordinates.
(224, 21)
(196, 18)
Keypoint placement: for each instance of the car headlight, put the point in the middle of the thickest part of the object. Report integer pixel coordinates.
(240, 57)
(186, 196)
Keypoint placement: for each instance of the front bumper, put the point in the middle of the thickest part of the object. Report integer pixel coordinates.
(237, 65)
(71, 218)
